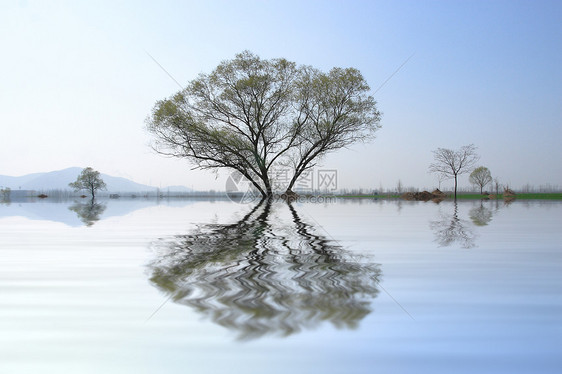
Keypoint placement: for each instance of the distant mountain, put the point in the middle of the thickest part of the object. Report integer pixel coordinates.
(59, 180)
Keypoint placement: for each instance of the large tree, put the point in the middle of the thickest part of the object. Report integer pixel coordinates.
(334, 111)
(253, 115)
(89, 180)
(452, 163)
(480, 177)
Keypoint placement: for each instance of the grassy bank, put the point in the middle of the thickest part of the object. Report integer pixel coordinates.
(521, 196)
(382, 196)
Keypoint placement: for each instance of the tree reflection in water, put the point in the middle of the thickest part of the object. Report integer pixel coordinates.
(480, 215)
(449, 228)
(88, 213)
(263, 276)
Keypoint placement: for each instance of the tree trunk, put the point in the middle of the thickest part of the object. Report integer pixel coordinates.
(296, 176)
(268, 190)
(258, 187)
(290, 186)
(455, 187)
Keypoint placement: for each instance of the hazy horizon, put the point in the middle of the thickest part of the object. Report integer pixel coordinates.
(182, 189)
(79, 81)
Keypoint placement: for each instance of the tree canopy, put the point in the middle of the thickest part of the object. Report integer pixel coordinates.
(480, 177)
(253, 115)
(89, 180)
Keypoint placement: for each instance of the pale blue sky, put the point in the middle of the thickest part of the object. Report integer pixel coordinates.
(77, 83)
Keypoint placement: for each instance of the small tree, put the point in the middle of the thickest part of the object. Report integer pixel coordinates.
(481, 176)
(452, 163)
(441, 178)
(89, 180)
(5, 194)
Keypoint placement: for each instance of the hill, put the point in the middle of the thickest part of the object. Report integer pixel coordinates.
(59, 180)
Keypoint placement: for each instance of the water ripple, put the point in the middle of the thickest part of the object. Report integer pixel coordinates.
(263, 275)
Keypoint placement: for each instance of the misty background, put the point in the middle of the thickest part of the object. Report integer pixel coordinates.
(78, 81)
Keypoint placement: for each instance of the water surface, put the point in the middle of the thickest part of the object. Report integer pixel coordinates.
(203, 286)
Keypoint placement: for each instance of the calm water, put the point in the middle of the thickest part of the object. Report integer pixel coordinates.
(199, 286)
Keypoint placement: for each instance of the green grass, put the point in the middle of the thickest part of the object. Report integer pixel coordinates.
(519, 196)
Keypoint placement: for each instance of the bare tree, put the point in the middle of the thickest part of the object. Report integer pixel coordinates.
(453, 163)
(480, 177)
(252, 115)
(497, 185)
(441, 178)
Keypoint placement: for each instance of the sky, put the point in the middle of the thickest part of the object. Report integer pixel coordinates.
(77, 81)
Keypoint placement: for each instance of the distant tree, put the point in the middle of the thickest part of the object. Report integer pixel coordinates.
(480, 176)
(254, 115)
(441, 178)
(497, 185)
(5, 193)
(452, 163)
(89, 180)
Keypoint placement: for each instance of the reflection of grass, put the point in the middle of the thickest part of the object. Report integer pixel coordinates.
(520, 196)
(540, 196)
